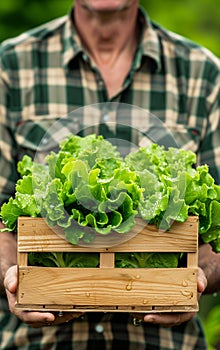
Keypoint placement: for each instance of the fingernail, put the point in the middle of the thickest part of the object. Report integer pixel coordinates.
(10, 286)
(149, 319)
(50, 319)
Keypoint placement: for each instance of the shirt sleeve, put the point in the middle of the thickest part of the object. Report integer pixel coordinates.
(209, 152)
(8, 172)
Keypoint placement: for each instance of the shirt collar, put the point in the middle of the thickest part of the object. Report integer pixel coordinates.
(148, 46)
(149, 41)
(71, 41)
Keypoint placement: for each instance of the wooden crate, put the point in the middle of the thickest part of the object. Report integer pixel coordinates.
(106, 288)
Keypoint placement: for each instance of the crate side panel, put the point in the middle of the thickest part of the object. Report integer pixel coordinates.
(35, 235)
(121, 287)
(182, 237)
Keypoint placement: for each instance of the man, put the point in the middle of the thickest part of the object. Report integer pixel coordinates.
(105, 51)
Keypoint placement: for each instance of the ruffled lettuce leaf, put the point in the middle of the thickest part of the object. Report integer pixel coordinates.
(147, 260)
(87, 188)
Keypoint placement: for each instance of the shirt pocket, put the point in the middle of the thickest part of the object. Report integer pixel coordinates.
(186, 137)
(40, 135)
(178, 136)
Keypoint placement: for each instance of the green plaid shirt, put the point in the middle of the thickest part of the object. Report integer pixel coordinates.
(44, 76)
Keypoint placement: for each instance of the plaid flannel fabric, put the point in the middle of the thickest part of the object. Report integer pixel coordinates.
(45, 75)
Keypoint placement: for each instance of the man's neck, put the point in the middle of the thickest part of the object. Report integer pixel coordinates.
(106, 35)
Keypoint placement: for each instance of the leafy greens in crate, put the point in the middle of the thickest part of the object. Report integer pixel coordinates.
(88, 184)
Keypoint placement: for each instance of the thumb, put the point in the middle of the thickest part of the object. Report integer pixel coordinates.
(10, 281)
(202, 281)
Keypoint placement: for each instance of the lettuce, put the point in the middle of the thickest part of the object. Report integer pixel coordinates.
(86, 183)
(150, 260)
(87, 188)
(63, 259)
(174, 188)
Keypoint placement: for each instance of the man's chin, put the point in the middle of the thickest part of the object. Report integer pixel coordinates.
(107, 5)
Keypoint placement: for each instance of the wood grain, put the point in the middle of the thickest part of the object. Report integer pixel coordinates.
(106, 288)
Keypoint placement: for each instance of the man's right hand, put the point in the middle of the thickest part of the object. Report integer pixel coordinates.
(33, 318)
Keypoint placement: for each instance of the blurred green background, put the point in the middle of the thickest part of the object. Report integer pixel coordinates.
(199, 20)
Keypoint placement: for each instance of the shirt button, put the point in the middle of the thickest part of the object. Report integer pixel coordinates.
(44, 141)
(99, 328)
(85, 57)
(101, 83)
(106, 117)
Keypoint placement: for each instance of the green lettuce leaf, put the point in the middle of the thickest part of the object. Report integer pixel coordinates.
(87, 188)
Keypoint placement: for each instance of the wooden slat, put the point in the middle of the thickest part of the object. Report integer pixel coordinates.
(22, 259)
(109, 308)
(118, 287)
(192, 259)
(35, 235)
(107, 260)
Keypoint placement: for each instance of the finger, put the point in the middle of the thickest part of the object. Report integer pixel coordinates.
(32, 317)
(58, 318)
(169, 319)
